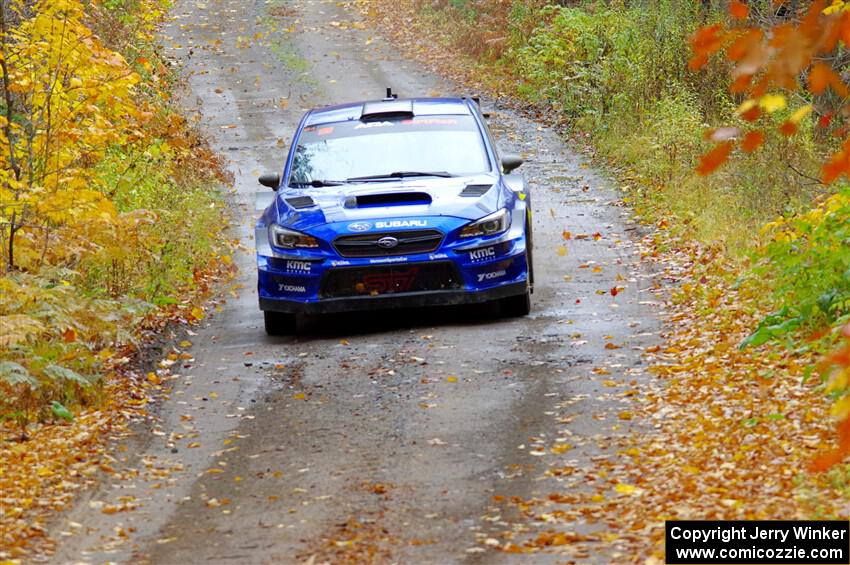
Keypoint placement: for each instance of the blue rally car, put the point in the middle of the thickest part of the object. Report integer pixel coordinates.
(393, 203)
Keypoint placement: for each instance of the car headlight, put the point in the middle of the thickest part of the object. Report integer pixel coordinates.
(290, 239)
(495, 223)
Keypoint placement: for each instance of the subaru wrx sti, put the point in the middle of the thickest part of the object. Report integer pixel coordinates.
(394, 203)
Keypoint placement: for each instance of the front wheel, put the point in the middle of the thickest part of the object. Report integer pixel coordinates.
(279, 323)
(516, 306)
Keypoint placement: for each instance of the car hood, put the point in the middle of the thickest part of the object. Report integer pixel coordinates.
(466, 198)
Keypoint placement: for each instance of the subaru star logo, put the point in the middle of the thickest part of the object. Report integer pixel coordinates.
(387, 242)
(360, 226)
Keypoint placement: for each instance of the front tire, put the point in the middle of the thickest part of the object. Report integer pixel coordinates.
(516, 306)
(279, 323)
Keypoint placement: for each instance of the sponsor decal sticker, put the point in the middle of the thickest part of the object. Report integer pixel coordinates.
(388, 260)
(298, 266)
(291, 288)
(340, 263)
(482, 254)
(433, 256)
(491, 275)
(400, 224)
(370, 125)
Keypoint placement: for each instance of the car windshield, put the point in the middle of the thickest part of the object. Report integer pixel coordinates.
(362, 151)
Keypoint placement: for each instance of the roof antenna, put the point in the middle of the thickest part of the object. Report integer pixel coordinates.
(390, 95)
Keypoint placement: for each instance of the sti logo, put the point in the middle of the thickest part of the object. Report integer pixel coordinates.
(401, 224)
(482, 254)
(298, 266)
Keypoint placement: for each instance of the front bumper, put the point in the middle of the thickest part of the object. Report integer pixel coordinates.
(321, 281)
(389, 301)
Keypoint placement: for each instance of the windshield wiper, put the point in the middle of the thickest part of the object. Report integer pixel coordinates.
(403, 174)
(317, 183)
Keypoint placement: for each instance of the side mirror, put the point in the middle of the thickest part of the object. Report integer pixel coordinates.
(511, 162)
(271, 180)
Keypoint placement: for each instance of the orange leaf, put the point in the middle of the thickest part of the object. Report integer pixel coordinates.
(752, 141)
(741, 83)
(823, 462)
(820, 77)
(714, 158)
(705, 42)
(697, 62)
(788, 128)
(744, 45)
(837, 166)
(69, 335)
(752, 114)
(825, 120)
(738, 10)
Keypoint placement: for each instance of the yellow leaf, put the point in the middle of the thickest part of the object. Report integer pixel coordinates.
(772, 102)
(746, 106)
(451, 379)
(626, 489)
(197, 313)
(299, 396)
(561, 448)
(562, 251)
(800, 114)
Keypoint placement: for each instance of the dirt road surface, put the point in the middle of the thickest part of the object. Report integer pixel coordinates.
(380, 437)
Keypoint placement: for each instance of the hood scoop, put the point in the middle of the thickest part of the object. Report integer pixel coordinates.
(388, 199)
(299, 202)
(475, 189)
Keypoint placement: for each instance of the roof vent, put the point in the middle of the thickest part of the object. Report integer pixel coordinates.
(387, 108)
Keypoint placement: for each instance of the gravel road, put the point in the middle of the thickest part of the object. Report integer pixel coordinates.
(380, 437)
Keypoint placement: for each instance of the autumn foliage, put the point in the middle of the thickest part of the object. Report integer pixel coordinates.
(768, 64)
(108, 198)
(807, 256)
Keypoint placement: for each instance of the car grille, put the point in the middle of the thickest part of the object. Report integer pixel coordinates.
(390, 279)
(367, 245)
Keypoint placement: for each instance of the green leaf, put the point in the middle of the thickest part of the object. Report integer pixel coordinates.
(60, 373)
(765, 333)
(14, 374)
(61, 412)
